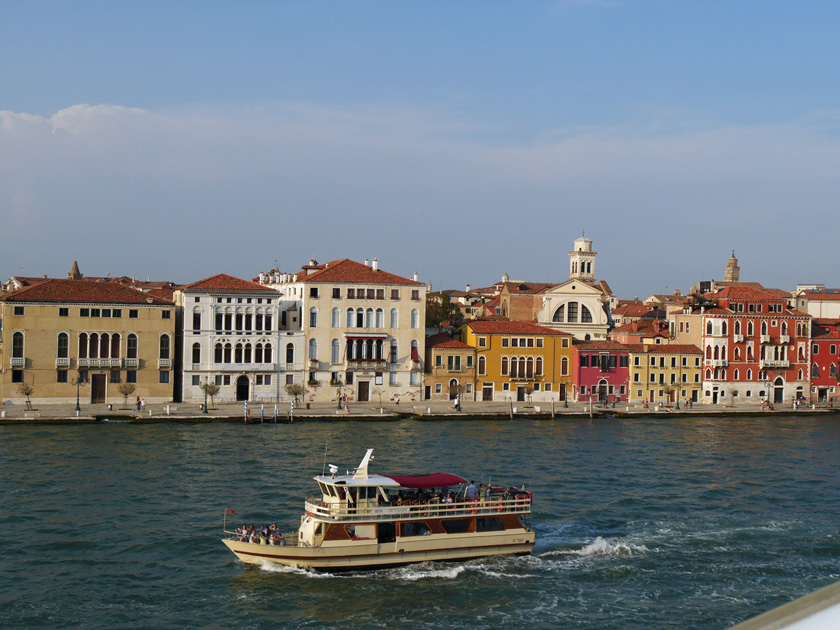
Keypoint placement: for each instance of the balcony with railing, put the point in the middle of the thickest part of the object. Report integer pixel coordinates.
(716, 362)
(764, 339)
(88, 362)
(738, 338)
(784, 338)
(18, 362)
(379, 365)
(164, 364)
(773, 363)
(132, 363)
(62, 362)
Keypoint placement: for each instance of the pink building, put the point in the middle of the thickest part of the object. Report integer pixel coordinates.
(601, 371)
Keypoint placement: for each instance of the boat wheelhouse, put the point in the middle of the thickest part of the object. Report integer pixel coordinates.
(363, 521)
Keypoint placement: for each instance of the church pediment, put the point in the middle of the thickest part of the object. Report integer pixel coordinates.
(573, 287)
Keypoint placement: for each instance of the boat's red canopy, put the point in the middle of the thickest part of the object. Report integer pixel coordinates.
(435, 480)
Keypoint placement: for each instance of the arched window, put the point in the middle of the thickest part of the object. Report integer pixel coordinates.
(360, 318)
(709, 327)
(351, 318)
(749, 353)
(290, 353)
(415, 318)
(336, 317)
(394, 354)
(815, 370)
(380, 318)
(717, 353)
(763, 328)
(104, 345)
(801, 353)
(335, 351)
(538, 367)
(395, 318)
(723, 327)
(749, 375)
(708, 374)
(115, 345)
(258, 353)
(93, 350)
(313, 349)
(482, 365)
(369, 318)
(83, 346)
(585, 315)
(735, 374)
(564, 366)
(738, 327)
(247, 357)
(709, 352)
(783, 330)
(228, 351)
(164, 347)
(750, 329)
(313, 317)
(196, 353)
(560, 314)
(63, 351)
(504, 366)
(131, 347)
(529, 370)
(800, 375)
(237, 353)
(267, 353)
(737, 353)
(217, 353)
(832, 370)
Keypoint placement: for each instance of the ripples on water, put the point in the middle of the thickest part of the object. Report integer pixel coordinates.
(647, 523)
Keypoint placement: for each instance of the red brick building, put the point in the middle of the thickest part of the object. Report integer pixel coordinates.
(825, 359)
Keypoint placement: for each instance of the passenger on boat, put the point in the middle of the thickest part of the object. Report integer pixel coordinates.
(471, 490)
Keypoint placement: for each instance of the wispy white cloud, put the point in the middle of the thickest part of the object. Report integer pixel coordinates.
(186, 193)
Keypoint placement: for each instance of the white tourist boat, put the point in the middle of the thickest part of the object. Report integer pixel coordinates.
(364, 521)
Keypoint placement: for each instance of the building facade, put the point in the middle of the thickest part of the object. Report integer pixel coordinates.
(665, 373)
(363, 330)
(86, 339)
(231, 336)
(450, 369)
(601, 371)
(519, 360)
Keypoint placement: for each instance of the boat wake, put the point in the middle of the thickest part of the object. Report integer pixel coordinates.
(600, 547)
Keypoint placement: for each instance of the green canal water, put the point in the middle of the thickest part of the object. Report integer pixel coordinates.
(643, 523)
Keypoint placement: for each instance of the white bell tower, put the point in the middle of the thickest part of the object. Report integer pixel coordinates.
(582, 260)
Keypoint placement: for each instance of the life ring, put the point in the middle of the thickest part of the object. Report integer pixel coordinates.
(498, 507)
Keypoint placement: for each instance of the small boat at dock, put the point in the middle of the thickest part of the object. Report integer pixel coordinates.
(364, 521)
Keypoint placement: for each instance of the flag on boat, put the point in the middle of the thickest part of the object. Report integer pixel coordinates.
(229, 511)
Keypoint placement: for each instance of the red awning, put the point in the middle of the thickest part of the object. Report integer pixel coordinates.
(415, 356)
(435, 480)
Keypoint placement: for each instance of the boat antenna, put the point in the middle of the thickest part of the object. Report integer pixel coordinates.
(324, 468)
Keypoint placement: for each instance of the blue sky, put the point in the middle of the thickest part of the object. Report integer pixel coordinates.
(460, 140)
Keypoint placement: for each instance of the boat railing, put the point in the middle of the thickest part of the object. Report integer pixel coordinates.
(289, 540)
(493, 506)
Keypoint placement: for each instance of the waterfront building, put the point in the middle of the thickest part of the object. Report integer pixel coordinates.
(755, 346)
(580, 305)
(601, 371)
(74, 337)
(818, 301)
(629, 312)
(664, 373)
(239, 335)
(519, 360)
(450, 369)
(363, 330)
(522, 301)
(652, 331)
(825, 362)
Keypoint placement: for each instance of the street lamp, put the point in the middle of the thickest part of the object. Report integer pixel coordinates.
(78, 382)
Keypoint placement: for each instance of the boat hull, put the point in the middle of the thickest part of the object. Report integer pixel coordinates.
(360, 555)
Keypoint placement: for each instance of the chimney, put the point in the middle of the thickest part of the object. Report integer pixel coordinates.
(367, 263)
(468, 287)
(414, 277)
(375, 264)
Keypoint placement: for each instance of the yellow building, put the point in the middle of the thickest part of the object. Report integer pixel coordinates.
(450, 369)
(665, 372)
(63, 337)
(519, 360)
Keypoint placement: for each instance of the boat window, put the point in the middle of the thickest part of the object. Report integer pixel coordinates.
(489, 524)
(418, 528)
(323, 488)
(332, 491)
(456, 525)
(351, 531)
(319, 529)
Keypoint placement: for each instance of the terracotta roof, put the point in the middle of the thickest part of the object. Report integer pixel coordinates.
(822, 295)
(632, 310)
(663, 348)
(223, 282)
(347, 270)
(599, 345)
(740, 292)
(504, 327)
(82, 291)
(644, 326)
(528, 288)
